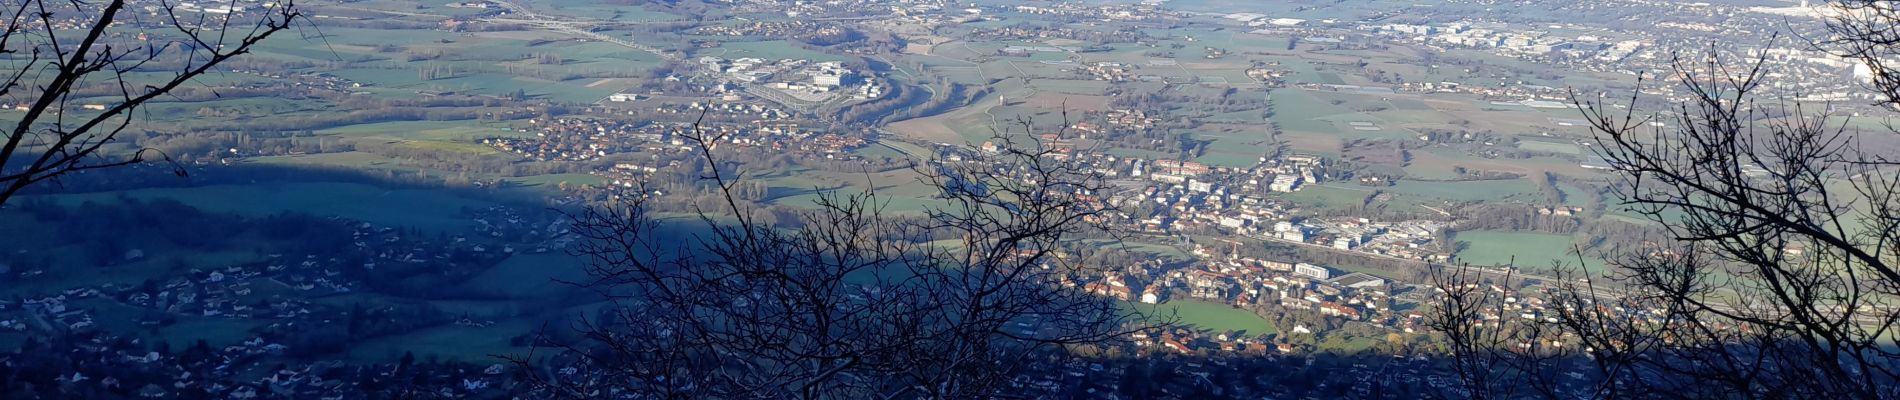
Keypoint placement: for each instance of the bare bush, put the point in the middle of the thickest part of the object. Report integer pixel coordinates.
(847, 300)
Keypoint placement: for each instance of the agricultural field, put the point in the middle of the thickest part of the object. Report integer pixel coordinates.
(552, 180)
(1165, 252)
(470, 132)
(1552, 147)
(187, 330)
(964, 125)
(1214, 317)
(449, 343)
(99, 268)
(1486, 190)
(506, 288)
(1531, 250)
(527, 275)
(426, 209)
(355, 160)
(1234, 144)
(898, 191)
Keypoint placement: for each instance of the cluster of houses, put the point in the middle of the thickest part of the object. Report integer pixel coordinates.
(584, 139)
(1140, 11)
(1247, 282)
(1231, 202)
(578, 139)
(1811, 75)
(587, 139)
(1510, 41)
(274, 288)
(762, 112)
(274, 294)
(1110, 71)
(218, 293)
(1107, 71)
(1189, 196)
(1271, 76)
(801, 9)
(776, 29)
(109, 366)
(1192, 197)
(1131, 119)
(1510, 94)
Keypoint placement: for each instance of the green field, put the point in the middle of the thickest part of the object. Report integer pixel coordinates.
(444, 131)
(528, 275)
(236, 109)
(1576, 196)
(357, 161)
(1207, 315)
(1421, 170)
(449, 343)
(1531, 250)
(1299, 110)
(1486, 190)
(1092, 88)
(88, 272)
(1238, 117)
(480, 79)
(553, 180)
(432, 210)
(1238, 145)
(1550, 147)
(214, 331)
(1157, 250)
